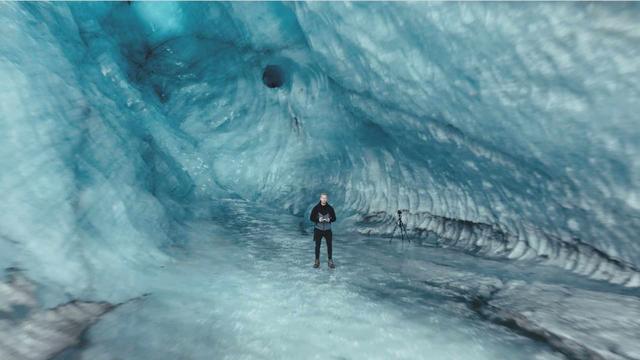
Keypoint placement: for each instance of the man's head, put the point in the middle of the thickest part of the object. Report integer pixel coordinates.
(324, 198)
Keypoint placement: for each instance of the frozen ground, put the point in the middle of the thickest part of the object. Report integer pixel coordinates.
(249, 292)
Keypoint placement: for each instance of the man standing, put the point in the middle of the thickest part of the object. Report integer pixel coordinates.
(323, 215)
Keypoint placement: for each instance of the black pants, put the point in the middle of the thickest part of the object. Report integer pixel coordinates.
(317, 237)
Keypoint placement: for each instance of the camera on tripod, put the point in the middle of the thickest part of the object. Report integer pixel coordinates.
(402, 226)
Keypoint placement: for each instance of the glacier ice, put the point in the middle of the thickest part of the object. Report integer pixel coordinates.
(32, 334)
(135, 135)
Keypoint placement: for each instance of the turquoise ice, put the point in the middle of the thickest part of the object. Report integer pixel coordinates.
(165, 157)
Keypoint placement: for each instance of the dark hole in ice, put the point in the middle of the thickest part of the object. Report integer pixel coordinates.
(273, 76)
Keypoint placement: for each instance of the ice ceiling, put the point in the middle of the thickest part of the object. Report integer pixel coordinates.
(505, 130)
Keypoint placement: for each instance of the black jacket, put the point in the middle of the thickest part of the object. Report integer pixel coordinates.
(319, 209)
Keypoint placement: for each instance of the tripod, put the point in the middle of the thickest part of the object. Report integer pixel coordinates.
(402, 226)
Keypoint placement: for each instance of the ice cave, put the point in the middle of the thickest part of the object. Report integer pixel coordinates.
(160, 162)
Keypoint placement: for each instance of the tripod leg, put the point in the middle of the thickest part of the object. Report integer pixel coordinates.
(393, 231)
(403, 232)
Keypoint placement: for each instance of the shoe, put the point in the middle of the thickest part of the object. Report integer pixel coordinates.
(316, 264)
(331, 264)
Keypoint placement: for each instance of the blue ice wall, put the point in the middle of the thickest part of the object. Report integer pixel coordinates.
(503, 129)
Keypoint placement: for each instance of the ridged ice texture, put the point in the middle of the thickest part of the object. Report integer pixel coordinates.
(504, 129)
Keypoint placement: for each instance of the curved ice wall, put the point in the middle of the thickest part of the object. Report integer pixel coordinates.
(509, 130)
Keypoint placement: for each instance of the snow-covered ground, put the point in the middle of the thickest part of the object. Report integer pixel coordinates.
(248, 291)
